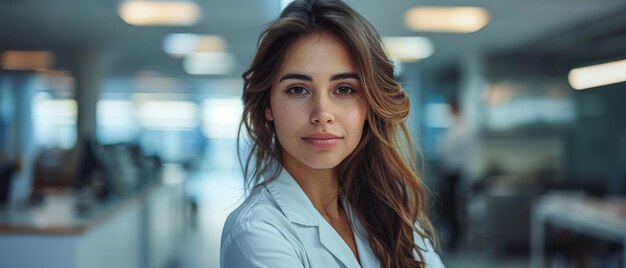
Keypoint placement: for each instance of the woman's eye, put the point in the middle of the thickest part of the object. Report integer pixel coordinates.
(345, 90)
(297, 90)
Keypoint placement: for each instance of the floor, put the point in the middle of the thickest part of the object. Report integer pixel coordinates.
(217, 194)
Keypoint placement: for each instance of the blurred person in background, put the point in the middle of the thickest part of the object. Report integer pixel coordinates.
(453, 152)
(334, 182)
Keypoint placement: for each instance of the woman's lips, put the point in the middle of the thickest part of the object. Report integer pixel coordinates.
(322, 140)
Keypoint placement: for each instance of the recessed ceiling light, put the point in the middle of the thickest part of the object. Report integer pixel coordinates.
(181, 44)
(598, 75)
(446, 19)
(163, 13)
(408, 49)
(26, 60)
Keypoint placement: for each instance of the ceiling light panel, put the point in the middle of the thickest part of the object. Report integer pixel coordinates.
(26, 60)
(598, 75)
(408, 49)
(181, 44)
(446, 19)
(159, 13)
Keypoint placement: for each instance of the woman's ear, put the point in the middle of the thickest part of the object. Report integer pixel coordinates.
(268, 114)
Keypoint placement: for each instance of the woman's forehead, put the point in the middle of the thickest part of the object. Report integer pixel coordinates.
(321, 53)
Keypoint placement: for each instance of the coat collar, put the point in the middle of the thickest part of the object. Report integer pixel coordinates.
(299, 209)
(292, 200)
(366, 255)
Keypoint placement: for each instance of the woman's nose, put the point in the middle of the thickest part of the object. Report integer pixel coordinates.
(322, 112)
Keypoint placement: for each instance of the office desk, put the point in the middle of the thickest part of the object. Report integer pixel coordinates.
(142, 230)
(601, 218)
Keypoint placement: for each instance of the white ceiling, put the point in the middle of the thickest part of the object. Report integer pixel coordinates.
(68, 25)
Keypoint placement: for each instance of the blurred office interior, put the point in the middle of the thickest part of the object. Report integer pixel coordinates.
(118, 122)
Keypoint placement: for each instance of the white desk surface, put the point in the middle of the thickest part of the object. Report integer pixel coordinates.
(602, 217)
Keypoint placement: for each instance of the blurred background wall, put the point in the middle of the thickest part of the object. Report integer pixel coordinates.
(118, 122)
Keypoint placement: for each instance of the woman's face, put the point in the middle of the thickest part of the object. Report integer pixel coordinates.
(317, 103)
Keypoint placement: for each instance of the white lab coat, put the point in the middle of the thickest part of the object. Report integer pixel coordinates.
(277, 226)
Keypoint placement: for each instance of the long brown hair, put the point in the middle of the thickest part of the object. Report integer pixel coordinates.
(380, 178)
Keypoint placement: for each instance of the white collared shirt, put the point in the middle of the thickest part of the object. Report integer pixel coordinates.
(278, 226)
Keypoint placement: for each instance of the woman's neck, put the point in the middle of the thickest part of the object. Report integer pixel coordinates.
(320, 185)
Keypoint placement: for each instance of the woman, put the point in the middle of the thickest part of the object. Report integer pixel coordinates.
(326, 120)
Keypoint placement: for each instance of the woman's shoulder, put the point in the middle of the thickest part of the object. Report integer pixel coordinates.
(258, 232)
(259, 208)
(425, 245)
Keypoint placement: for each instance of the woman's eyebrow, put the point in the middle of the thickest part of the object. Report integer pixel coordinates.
(304, 77)
(297, 76)
(342, 76)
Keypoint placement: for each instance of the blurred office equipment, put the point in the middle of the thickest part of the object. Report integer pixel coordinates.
(139, 223)
(142, 230)
(600, 219)
(7, 170)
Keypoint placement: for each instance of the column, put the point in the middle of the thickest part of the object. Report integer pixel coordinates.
(91, 64)
(23, 141)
